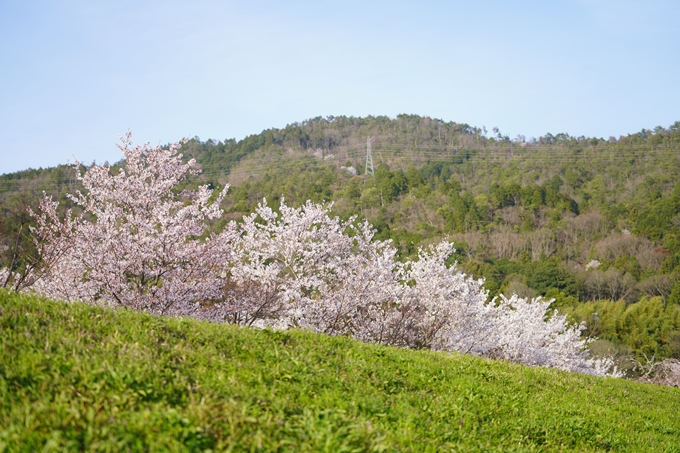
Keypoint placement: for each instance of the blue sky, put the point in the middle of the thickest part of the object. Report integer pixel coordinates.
(75, 74)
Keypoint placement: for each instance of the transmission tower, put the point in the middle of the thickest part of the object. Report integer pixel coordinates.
(369, 158)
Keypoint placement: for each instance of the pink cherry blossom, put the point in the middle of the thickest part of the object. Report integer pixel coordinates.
(135, 243)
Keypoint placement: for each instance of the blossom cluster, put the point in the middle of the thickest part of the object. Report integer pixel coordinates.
(138, 243)
(132, 243)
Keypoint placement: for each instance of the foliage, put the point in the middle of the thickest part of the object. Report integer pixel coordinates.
(548, 274)
(649, 327)
(556, 196)
(558, 199)
(18, 255)
(136, 244)
(75, 377)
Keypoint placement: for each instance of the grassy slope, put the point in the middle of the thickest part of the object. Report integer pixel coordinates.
(83, 378)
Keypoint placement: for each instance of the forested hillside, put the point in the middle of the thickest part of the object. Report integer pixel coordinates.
(591, 222)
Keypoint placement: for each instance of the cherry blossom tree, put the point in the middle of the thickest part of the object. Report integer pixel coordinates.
(136, 242)
(301, 268)
(450, 311)
(447, 305)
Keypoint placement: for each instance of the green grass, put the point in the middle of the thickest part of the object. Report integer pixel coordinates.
(75, 377)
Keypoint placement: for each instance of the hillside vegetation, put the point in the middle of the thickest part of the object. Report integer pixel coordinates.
(79, 378)
(587, 221)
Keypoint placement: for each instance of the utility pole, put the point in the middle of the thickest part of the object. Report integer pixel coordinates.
(369, 158)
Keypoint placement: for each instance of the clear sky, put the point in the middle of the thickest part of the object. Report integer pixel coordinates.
(75, 74)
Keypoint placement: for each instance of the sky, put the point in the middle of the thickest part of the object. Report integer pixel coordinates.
(76, 74)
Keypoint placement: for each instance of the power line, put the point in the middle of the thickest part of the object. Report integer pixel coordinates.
(406, 154)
